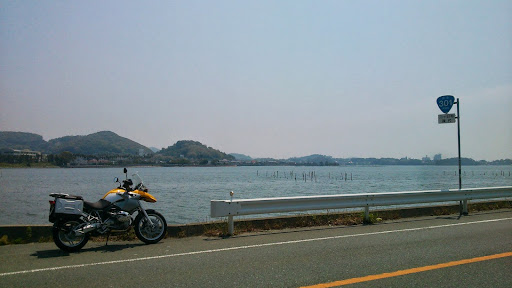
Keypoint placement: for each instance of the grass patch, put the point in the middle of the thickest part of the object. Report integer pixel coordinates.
(4, 240)
(215, 229)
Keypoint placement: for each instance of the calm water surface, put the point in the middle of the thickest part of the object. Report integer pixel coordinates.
(184, 193)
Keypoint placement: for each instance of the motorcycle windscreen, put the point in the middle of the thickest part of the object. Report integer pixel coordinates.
(136, 180)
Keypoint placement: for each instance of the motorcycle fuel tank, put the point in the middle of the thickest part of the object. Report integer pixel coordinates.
(125, 201)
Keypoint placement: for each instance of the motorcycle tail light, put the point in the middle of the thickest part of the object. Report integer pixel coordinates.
(52, 202)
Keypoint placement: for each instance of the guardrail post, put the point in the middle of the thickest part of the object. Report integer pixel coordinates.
(231, 225)
(366, 214)
(465, 207)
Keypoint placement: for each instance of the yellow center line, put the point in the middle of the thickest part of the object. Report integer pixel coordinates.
(409, 271)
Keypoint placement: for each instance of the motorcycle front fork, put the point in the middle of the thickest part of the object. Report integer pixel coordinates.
(146, 215)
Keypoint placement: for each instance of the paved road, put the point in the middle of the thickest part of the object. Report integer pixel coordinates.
(289, 258)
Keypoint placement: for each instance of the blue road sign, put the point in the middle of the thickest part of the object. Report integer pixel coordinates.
(445, 103)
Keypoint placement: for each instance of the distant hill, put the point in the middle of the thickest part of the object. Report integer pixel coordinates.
(193, 150)
(154, 149)
(99, 143)
(241, 157)
(455, 161)
(22, 141)
(315, 158)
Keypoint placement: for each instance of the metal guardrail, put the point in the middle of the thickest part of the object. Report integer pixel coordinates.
(238, 207)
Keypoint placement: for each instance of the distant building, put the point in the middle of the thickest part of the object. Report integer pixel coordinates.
(426, 159)
(36, 155)
(25, 152)
(438, 157)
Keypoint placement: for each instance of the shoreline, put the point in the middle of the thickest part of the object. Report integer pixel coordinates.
(49, 166)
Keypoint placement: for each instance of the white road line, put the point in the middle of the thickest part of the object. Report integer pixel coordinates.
(247, 247)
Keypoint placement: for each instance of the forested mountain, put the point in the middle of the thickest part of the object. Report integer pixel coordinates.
(194, 150)
(106, 143)
(22, 141)
(100, 143)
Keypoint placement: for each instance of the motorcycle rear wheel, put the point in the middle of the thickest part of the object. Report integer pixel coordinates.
(66, 239)
(150, 234)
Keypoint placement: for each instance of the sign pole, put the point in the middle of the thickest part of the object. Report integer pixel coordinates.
(445, 103)
(464, 202)
(458, 138)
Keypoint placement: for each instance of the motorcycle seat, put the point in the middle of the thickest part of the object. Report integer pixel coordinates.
(101, 204)
(66, 196)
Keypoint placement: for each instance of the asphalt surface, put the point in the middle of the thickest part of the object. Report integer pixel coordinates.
(287, 258)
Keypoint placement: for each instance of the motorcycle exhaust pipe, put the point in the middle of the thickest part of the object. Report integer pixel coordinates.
(87, 228)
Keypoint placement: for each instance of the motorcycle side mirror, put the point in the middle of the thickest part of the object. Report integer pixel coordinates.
(116, 180)
(125, 171)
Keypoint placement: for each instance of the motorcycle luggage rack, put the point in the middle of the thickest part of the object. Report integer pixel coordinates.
(66, 196)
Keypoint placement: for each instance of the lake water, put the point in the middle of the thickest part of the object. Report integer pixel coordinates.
(184, 193)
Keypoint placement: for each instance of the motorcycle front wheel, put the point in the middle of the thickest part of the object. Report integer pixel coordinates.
(65, 237)
(147, 232)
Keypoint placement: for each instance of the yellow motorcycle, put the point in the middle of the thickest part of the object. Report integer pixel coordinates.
(75, 220)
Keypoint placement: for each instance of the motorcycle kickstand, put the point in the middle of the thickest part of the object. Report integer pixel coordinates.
(106, 243)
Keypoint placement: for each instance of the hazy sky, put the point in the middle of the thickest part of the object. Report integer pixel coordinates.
(263, 78)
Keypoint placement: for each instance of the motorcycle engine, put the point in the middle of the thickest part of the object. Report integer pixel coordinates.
(119, 220)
